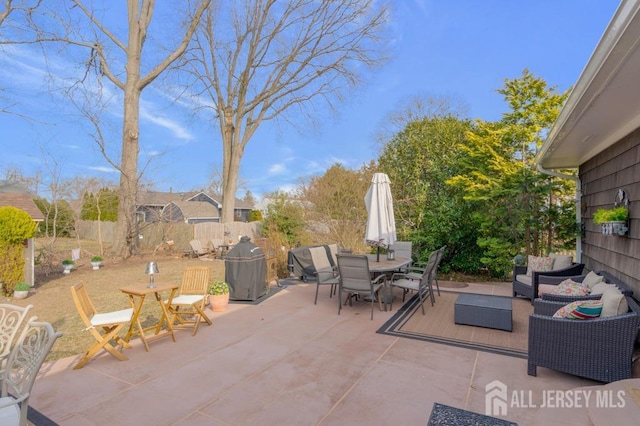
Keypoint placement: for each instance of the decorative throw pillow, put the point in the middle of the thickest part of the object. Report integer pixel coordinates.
(592, 279)
(600, 288)
(613, 302)
(582, 309)
(561, 261)
(571, 288)
(539, 263)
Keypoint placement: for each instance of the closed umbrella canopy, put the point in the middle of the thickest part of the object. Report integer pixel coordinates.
(381, 223)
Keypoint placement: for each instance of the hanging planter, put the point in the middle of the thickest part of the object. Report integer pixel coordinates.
(613, 221)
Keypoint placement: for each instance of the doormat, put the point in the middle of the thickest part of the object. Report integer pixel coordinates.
(38, 419)
(437, 325)
(444, 415)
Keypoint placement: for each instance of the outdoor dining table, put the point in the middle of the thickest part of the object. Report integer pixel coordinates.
(385, 266)
(137, 294)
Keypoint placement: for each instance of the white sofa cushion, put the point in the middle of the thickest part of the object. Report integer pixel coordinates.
(592, 279)
(613, 302)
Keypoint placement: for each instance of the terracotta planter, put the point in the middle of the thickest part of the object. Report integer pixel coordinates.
(219, 302)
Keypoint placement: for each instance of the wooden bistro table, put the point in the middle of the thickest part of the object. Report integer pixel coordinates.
(137, 294)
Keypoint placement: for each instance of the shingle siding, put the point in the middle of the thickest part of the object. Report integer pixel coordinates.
(601, 177)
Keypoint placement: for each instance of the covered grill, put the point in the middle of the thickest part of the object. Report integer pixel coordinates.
(246, 271)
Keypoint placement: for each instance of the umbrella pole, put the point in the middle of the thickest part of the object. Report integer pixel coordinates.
(378, 259)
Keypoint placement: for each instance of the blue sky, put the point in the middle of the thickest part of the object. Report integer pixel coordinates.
(462, 49)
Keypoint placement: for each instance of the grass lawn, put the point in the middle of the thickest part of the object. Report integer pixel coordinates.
(51, 296)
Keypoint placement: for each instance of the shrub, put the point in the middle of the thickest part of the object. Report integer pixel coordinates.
(96, 259)
(68, 262)
(611, 215)
(16, 226)
(219, 288)
(21, 286)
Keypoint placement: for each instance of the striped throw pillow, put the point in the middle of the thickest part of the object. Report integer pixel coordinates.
(582, 309)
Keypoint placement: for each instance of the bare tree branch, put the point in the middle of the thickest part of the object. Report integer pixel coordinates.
(256, 59)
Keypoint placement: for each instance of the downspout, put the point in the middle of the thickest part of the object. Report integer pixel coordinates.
(578, 205)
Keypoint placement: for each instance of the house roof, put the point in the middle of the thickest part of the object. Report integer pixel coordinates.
(196, 209)
(155, 198)
(21, 201)
(603, 106)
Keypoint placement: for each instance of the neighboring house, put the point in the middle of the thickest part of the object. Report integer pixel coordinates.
(190, 212)
(598, 132)
(17, 195)
(153, 206)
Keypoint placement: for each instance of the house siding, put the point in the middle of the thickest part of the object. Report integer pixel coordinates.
(601, 177)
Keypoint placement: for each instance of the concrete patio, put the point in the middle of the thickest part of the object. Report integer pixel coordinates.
(287, 361)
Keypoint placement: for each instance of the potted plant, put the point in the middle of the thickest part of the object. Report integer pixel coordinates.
(67, 264)
(219, 295)
(96, 261)
(21, 290)
(613, 221)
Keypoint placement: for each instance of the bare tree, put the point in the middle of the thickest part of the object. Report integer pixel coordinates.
(416, 108)
(128, 66)
(79, 188)
(257, 59)
(13, 10)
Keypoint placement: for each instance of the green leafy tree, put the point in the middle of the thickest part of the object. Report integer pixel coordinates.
(419, 160)
(254, 216)
(284, 225)
(517, 208)
(102, 205)
(58, 218)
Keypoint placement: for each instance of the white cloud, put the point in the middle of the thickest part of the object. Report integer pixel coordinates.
(179, 131)
(103, 169)
(277, 169)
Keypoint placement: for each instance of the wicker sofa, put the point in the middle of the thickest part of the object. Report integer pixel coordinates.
(527, 286)
(600, 349)
(610, 279)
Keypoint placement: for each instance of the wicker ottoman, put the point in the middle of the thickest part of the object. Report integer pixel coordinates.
(483, 311)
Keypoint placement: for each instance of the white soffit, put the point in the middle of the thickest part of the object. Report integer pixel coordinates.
(604, 105)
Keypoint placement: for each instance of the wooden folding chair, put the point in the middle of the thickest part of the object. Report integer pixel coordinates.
(104, 327)
(187, 308)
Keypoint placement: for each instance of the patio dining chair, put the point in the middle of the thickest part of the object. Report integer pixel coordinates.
(324, 273)
(419, 280)
(355, 279)
(104, 327)
(12, 318)
(187, 308)
(23, 365)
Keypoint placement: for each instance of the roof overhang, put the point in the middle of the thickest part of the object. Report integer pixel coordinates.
(604, 105)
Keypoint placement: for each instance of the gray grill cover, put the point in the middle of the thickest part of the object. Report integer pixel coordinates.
(300, 264)
(246, 271)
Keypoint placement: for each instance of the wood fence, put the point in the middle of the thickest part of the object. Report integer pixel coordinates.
(152, 236)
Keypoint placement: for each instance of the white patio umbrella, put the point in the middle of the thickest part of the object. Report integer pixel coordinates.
(381, 223)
